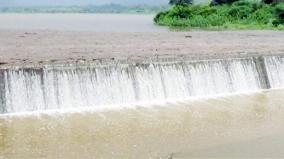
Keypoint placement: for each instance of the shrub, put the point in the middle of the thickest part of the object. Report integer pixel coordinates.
(263, 15)
(180, 11)
(240, 11)
(159, 16)
(240, 14)
(279, 11)
(180, 2)
(220, 2)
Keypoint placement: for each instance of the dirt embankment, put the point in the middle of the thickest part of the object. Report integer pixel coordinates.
(26, 47)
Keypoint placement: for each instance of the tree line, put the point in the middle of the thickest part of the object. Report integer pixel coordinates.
(217, 2)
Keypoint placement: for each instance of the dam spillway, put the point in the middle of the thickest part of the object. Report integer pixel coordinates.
(194, 108)
(122, 82)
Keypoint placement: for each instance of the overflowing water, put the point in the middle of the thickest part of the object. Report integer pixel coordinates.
(275, 71)
(95, 84)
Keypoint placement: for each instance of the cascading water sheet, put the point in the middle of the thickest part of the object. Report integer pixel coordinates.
(90, 85)
(275, 70)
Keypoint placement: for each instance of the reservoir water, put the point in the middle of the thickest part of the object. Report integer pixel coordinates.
(81, 22)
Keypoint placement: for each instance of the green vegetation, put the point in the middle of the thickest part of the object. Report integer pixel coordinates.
(180, 2)
(110, 8)
(228, 14)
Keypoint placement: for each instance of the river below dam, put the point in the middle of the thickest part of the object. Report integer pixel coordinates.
(154, 108)
(247, 125)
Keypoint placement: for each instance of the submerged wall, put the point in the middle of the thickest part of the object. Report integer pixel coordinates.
(116, 82)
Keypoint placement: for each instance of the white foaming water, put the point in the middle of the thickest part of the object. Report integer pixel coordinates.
(91, 85)
(275, 71)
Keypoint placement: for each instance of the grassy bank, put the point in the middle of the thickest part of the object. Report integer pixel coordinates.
(238, 15)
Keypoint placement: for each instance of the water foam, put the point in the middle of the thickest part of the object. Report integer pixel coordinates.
(116, 83)
(62, 87)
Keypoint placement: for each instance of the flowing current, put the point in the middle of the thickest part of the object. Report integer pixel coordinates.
(97, 84)
(170, 124)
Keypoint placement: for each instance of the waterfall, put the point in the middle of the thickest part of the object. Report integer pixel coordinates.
(275, 70)
(97, 84)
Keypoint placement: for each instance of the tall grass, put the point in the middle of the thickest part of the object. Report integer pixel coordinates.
(238, 15)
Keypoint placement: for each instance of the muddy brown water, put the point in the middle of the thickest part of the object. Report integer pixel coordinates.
(178, 129)
(81, 22)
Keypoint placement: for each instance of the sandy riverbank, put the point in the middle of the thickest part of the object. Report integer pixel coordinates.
(26, 46)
